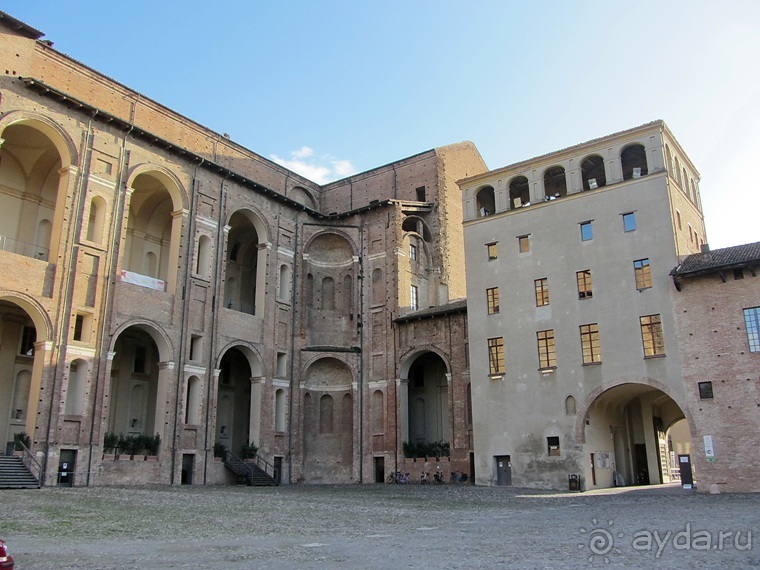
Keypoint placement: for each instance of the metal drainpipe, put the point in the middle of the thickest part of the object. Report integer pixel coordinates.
(293, 317)
(216, 300)
(116, 219)
(67, 288)
(183, 321)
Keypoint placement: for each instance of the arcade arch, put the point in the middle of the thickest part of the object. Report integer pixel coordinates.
(245, 274)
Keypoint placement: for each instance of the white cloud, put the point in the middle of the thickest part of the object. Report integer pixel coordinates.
(320, 169)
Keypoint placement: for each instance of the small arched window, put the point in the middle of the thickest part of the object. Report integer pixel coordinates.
(570, 406)
(486, 202)
(555, 183)
(592, 172)
(634, 161)
(519, 194)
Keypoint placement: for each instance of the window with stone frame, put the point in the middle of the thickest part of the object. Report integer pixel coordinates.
(651, 335)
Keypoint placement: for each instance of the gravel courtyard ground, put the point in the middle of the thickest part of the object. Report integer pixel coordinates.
(378, 526)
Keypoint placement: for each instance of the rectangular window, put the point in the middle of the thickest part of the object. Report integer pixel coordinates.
(651, 335)
(752, 322)
(78, 324)
(739, 273)
(420, 194)
(590, 344)
(678, 219)
(496, 356)
(643, 273)
(414, 298)
(542, 291)
(195, 347)
(523, 244)
(587, 231)
(492, 251)
(28, 338)
(584, 284)
(691, 234)
(552, 443)
(492, 296)
(413, 252)
(629, 222)
(705, 391)
(547, 357)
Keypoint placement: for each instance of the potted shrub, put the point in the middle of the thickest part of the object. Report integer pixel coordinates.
(110, 443)
(21, 438)
(248, 450)
(410, 450)
(151, 447)
(219, 450)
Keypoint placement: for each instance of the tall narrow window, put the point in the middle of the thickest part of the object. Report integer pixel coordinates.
(420, 193)
(413, 252)
(492, 296)
(28, 338)
(651, 335)
(523, 244)
(590, 345)
(629, 222)
(643, 273)
(496, 356)
(583, 279)
(414, 298)
(547, 356)
(587, 231)
(542, 291)
(678, 219)
(752, 322)
(493, 253)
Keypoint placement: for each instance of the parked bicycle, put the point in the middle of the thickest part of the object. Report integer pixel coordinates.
(425, 478)
(459, 477)
(398, 477)
(438, 477)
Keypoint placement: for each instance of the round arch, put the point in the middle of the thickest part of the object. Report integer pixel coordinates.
(334, 232)
(583, 408)
(302, 196)
(39, 317)
(57, 135)
(257, 221)
(170, 181)
(162, 340)
(407, 359)
(311, 365)
(250, 353)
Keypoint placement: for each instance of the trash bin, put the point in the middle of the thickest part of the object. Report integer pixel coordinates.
(574, 482)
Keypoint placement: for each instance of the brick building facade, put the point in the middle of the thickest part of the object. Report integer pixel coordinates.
(159, 279)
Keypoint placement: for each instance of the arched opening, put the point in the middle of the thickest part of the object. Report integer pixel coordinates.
(203, 261)
(193, 401)
(328, 427)
(555, 183)
(138, 389)
(96, 220)
(284, 289)
(634, 161)
(22, 363)
(592, 172)
(246, 264)
(233, 416)
(625, 436)
(569, 406)
(76, 387)
(418, 226)
(30, 166)
(486, 202)
(152, 241)
(519, 192)
(302, 196)
(428, 400)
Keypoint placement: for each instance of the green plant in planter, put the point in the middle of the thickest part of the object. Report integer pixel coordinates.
(20, 438)
(219, 449)
(123, 443)
(248, 450)
(152, 443)
(410, 449)
(110, 442)
(424, 449)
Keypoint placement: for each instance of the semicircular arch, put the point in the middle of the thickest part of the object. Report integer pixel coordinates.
(159, 336)
(40, 318)
(167, 179)
(408, 358)
(52, 130)
(250, 353)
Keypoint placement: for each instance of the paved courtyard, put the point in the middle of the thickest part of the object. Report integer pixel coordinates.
(378, 526)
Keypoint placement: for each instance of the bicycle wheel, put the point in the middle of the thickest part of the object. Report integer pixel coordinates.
(390, 478)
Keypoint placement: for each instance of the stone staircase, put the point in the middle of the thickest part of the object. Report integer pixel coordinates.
(252, 473)
(15, 475)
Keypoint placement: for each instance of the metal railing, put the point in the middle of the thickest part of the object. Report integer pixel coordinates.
(24, 248)
(246, 469)
(30, 462)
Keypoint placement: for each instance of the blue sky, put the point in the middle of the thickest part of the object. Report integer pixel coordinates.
(335, 87)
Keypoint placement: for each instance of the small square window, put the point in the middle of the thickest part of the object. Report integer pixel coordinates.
(492, 251)
(705, 391)
(420, 194)
(523, 243)
(629, 222)
(552, 443)
(739, 273)
(587, 231)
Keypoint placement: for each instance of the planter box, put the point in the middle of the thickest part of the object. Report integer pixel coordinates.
(109, 457)
(151, 458)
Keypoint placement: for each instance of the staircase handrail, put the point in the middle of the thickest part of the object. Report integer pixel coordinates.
(268, 467)
(30, 462)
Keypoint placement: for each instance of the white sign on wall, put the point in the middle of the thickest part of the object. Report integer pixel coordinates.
(709, 450)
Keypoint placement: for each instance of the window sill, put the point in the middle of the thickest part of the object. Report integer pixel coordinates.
(653, 356)
(547, 370)
(591, 364)
(498, 376)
